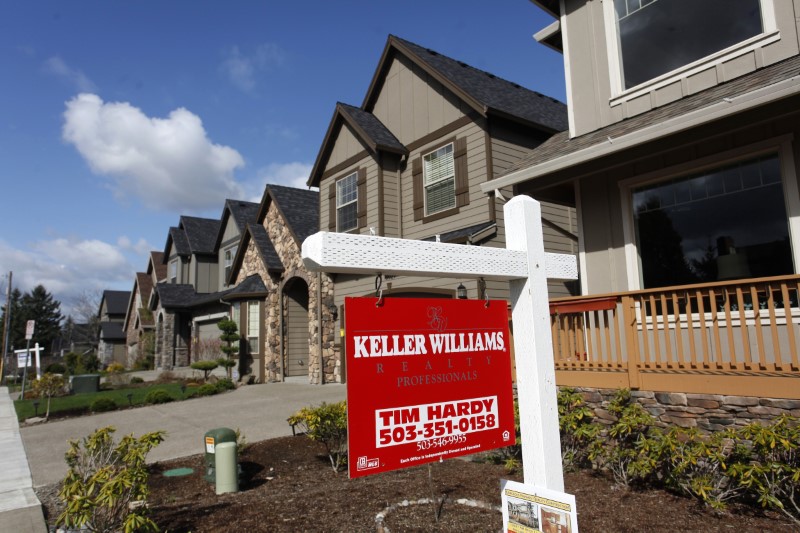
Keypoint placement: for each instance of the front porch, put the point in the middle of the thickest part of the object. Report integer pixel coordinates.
(723, 338)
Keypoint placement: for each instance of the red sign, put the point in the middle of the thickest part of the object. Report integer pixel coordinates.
(427, 379)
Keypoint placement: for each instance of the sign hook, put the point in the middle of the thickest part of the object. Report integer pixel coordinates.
(379, 289)
(482, 291)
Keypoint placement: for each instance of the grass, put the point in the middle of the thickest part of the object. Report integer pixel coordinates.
(80, 403)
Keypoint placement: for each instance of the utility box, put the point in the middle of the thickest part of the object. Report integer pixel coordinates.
(213, 438)
(84, 383)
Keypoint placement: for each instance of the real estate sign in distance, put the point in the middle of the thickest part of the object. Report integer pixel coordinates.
(428, 379)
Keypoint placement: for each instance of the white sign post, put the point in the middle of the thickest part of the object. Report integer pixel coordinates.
(526, 265)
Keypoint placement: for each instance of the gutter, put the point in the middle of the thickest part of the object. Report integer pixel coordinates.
(725, 108)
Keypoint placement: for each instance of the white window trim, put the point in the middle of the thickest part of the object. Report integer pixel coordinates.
(619, 95)
(257, 336)
(225, 264)
(173, 265)
(355, 201)
(425, 185)
(781, 145)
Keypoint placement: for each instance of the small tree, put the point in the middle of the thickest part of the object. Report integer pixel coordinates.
(205, 366)
(228, 336)
(47, 386)
(106, 486)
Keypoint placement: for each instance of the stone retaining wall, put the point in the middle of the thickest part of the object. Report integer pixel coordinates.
(707, 412)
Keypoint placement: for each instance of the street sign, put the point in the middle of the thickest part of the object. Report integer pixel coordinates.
(29, 329)
(427, 379)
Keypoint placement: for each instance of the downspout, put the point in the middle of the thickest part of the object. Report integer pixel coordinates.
(403, 159)
(319, 328)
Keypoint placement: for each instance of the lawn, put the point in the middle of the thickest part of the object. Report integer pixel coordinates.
(75, 404)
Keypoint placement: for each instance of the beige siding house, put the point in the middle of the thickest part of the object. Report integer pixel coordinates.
(410, 162)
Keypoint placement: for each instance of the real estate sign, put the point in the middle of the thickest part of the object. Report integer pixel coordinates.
(533, 509)
(427, 379)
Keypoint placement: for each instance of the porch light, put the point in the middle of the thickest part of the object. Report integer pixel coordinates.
(461, 292)
(334, 312)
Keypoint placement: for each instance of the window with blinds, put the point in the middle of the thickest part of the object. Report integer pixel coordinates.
(230, 253)
(253, 321)
(439, 178)
(347, 203)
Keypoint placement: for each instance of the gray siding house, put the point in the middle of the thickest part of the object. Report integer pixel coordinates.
(111, 343)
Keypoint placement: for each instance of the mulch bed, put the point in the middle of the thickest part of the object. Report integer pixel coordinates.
(289, 486)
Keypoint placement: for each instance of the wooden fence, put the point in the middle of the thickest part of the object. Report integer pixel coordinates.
(731, 338)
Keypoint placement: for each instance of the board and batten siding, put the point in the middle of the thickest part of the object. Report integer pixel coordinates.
(346, 146)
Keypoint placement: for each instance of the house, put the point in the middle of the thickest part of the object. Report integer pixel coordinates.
(286, 313)
(409, 163)
(187, 305)
(680, 160)
(111, 314)
(139, 322)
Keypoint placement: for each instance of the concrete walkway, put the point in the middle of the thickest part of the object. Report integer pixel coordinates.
(20, 509)
(259, 411)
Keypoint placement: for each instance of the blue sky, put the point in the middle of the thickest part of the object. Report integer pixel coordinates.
(118, 117)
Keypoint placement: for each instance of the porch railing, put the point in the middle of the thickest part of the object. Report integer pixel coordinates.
(731, 338)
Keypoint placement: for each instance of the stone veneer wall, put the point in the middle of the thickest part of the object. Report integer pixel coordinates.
(290, 254)
(707, 412)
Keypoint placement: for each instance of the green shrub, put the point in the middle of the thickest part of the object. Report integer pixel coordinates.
(205, 366)
(107, 483)
(102, 405)
(224, 385)
(47, 386)
(578, 432)
(328, 425)
(136, 379)
(206, 390)
(772, 475)
(55, 368)
(158, 396)
(619, 451)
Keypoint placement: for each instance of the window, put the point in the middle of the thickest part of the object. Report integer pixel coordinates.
(658, 36)
(347, 203)
(173, 271)
(235, 314)
(439, 180)
(253, 325)
(728, 223)
(230, 253)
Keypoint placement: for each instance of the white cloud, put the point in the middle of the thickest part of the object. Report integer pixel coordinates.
(67, 268)
(57, 67)
(141, 247)
(290, 174)
(168, 163)
(242, 69)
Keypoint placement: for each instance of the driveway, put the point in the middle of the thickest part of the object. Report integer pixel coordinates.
(259, 411)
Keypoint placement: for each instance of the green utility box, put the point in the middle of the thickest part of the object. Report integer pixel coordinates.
(212, 439)
(85, 383)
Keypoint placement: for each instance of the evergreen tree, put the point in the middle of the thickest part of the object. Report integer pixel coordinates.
(40, 306)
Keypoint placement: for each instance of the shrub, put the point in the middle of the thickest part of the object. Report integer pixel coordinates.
(106, 483)
(227, 364)
(328, 425)
(773, 473)
(136, 379)
(619, 452)
(578, 432)
(47, 386)
(158, 396)
(115, 368)
(225, 385)
(55, 368)
(229, 336)
(206, 390)
(103, 405)
(205, 366)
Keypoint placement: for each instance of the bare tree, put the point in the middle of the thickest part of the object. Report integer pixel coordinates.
(86, 308)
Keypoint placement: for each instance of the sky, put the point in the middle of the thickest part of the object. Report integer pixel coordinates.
(116, 118)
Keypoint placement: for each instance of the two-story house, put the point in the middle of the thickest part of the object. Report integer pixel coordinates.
(187, 306)
(285, 312)
(111, 315)
(139, 322)
(680, 159)
(409, 163)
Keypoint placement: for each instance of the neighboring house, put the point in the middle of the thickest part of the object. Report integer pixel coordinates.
(139, 325)
(681, 161)
(111, 345)
(187, 305)
(409, 163)
(285, 313)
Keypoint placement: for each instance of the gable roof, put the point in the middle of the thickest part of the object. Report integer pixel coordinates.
(116, 302)
(240, 212)
(269, 257)
(484, 92)
(201, 233)
(143, 285)
(111, 331)
(177, 237)
(757, 88)
(365, 126)
(252, 286)
(157, 263)
(299, 208)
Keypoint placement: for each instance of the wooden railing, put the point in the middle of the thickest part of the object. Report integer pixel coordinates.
(731, 338)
